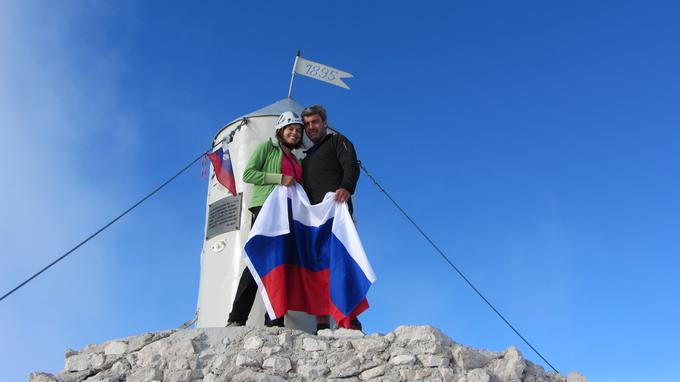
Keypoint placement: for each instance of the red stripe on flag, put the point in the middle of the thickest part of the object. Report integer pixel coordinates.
(224, 175)
(290, 287)
(343, 320)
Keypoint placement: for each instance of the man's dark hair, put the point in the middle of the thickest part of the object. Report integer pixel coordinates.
(314, 110)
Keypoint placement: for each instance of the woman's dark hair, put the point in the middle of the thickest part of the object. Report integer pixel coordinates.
(279, 136)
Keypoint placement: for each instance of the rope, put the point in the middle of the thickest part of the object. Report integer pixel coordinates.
(375, 182)
(104, 227)
(190, 322)
(441, 253)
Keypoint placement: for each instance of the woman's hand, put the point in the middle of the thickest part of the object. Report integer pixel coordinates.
(287, 180)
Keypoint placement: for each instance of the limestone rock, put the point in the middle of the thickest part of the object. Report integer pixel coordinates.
(279, 365)
(286, 339)
(373, 372)
(85, 361)
(404, 359)
(433, 360)
(311, 344)
(409, 353)
(340, 333)
(421, 339)
(469, 358)
(145, 375)
(248, 359)
(510, 367)
(269, 350)
(346, 369)
(177, 376)
(370, 345)
(448, 374)
(476, 375)
(115, 348)
(575, 377)
(75, 376)
(312, 371)
(41, 377)
(253, 342)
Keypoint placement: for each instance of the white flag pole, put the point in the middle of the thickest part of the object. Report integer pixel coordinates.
(292, 75)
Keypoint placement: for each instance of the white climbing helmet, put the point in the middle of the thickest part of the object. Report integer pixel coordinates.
(287, 118)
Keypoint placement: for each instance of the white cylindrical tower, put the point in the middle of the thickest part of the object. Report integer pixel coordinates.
(228, 224)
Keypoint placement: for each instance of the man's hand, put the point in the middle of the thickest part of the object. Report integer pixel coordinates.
(341, 195)
(287, 180)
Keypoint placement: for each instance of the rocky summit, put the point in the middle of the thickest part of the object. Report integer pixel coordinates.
(408, 353)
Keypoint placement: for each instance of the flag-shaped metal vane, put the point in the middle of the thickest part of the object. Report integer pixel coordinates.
(318, 71)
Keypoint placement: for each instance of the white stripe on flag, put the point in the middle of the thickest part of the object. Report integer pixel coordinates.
(274, 224)
(306, 213)
(260, 286)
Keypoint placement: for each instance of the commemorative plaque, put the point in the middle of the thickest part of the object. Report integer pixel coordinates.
(224, 216)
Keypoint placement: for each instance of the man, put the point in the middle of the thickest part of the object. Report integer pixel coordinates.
(330, 166)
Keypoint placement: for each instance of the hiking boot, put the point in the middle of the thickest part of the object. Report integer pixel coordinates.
(276, 322)
(320, 327)
(355, 324)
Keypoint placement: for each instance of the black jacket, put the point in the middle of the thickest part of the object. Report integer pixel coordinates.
(329, 165)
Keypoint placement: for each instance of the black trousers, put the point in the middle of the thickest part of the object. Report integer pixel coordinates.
(245, 295)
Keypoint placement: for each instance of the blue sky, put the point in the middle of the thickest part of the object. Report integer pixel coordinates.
(536, 142)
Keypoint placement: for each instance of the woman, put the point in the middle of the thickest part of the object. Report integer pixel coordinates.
(271, 164)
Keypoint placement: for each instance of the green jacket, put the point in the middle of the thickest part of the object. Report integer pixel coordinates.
(264, 171)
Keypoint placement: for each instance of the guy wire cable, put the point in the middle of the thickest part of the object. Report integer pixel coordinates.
(106, 226)
(375, 182)
(441, 253)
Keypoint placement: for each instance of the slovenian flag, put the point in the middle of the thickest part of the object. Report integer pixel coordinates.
(221, 162)
(308, 257)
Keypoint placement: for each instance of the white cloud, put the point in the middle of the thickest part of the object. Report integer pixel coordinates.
(51, 110)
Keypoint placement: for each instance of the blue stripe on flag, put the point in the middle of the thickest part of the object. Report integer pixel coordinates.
(348, 283)
(296, 248)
